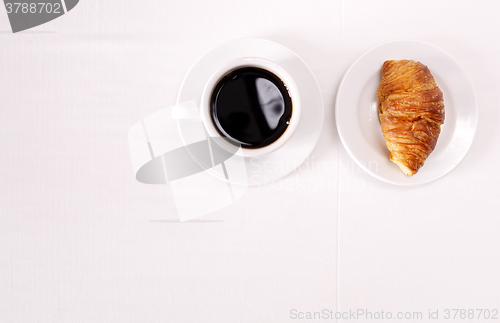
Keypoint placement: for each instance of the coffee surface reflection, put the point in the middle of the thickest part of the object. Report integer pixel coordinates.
(251, 107)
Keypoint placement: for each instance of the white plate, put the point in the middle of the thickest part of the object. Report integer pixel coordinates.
(357, 115)
(285, 160)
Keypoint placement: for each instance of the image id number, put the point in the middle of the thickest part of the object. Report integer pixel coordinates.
(455, 314)
(20, 7)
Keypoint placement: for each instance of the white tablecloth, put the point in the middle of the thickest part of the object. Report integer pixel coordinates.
(82, 241)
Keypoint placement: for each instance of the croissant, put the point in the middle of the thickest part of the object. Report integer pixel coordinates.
(411, 112)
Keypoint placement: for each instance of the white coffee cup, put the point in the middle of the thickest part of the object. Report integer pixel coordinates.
(258, 63)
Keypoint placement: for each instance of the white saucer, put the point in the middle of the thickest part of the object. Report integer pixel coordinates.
(286, 159)
(357, 115)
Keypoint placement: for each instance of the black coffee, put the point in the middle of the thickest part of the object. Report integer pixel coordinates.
(251, 107)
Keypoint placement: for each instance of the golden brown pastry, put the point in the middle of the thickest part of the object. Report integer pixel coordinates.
(411, 112)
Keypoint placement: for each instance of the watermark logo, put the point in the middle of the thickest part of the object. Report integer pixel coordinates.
(26, 14)
(171, 147)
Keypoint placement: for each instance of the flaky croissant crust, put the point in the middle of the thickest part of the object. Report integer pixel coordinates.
(411, 112)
